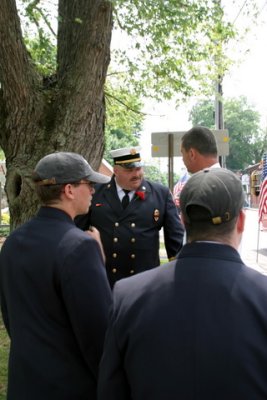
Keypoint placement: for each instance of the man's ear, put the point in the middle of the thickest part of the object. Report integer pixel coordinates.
(115, 170)
(192, 153)
(240, 223)
(68, 190)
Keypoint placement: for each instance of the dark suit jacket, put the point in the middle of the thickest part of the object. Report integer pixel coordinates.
(131, 237)
(54, 299)
(194, 329)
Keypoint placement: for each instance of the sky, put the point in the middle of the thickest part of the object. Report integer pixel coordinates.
(248, 77)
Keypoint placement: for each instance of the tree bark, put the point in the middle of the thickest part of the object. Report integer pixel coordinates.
(36, 117)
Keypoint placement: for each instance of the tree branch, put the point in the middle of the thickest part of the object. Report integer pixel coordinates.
(118, 19)
(34, 6)
(134, 110)
(81, 31)
(46, 21)
(18, 76)
(84, 35)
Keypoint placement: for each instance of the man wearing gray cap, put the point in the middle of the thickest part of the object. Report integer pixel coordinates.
(54, 291)
(129, 213)
(195, 328)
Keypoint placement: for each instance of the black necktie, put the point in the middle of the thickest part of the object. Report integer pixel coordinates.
(125, 200)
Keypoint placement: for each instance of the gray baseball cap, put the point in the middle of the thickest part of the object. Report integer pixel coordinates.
(217, 190)
(63, 167)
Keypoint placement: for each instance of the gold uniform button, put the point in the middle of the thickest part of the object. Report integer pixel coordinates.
(114, 255)
(133, 225)
(115, 240)
(117, 224)
(132, 255)
(114, 270)
(133, 240)
(132, 271)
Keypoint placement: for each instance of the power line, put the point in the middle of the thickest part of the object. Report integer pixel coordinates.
(239, 12)
(245, 2)
(265, 4)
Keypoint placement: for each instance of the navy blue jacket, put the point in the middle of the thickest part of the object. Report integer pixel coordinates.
(195, 329)
(131, 237)
(55, 298)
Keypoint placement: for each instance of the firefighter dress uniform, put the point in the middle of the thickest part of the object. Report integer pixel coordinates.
(130, 236)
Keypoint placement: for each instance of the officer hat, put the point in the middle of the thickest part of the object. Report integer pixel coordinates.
(216, 190)
(127, 157)
(63, 167)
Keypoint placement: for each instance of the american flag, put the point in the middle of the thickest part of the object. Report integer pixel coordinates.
(263, 190)
(178, 188)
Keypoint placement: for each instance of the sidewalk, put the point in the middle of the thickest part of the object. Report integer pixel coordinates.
(253, 251)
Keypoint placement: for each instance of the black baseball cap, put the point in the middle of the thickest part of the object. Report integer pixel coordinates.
(217, 190)
(65, 167)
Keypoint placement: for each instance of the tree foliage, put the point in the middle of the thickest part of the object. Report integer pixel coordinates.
(124, 118)
(203, 113)
(39, 32)
(153, 174)
(247, 140)
(172, 47)
(161, 49)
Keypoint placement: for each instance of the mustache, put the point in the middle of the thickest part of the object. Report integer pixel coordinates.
(135, 178)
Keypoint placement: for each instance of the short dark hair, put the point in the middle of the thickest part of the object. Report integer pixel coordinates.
(201, 227)
(201, 139)
(48, 194)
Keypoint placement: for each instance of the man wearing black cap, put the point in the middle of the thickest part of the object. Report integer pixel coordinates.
(54, 292)
(195, 328)
(129, 213)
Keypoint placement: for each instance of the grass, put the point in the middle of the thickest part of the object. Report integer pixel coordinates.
(4, 230)
(4, 351)
(4, 339)
(163, 261)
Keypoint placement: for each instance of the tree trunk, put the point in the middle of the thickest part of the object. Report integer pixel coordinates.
(39, 116)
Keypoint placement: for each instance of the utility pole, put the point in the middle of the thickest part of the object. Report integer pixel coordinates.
(170, 160)
(219, 121)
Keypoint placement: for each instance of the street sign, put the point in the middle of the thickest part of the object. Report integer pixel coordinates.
(161, 143)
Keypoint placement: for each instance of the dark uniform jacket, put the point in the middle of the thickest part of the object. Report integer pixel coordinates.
(194, 329)
(55, 298)
(131, 237)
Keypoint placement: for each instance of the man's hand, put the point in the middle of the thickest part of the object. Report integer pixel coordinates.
(94, 233)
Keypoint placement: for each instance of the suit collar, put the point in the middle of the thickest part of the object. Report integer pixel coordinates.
(210, 250)
(52, 212)
(111, 196)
